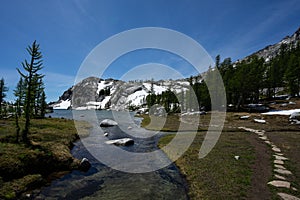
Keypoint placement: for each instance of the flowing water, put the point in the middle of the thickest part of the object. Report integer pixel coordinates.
(103, 182)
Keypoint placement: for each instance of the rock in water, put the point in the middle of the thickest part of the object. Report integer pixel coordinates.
(121, 142)
(85, 165)
(108, 122)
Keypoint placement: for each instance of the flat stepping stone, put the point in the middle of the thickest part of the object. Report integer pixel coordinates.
(262, 121)
(282, 184)
(283, 171)
(261, 134)
(279, 177)
(268, 142)
(276, 149)
(244, 117)
(280, 162)
(279, 154)
(279, 166)
(280, 157)
(285, 196)
(263, 138)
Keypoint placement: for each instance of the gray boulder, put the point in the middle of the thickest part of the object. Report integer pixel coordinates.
(108, 122)
(158, 110)
(295, 118)
(121, 142)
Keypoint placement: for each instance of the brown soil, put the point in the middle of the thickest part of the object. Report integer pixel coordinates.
(262, 170)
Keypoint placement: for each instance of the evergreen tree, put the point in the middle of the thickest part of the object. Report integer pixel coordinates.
(19, 92)
(32, 68)
(43, 105)
(292, 75)
(3, 90)
(218, 58)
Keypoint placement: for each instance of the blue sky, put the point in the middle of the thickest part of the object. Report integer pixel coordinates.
(68, 30)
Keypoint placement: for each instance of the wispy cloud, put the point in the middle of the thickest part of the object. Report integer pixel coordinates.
(56, 84)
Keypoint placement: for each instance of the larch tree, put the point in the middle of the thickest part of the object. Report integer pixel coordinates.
(32, 69)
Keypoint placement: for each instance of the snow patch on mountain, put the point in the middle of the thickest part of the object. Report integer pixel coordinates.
(62, 104)
(104, 85)
(95, 93)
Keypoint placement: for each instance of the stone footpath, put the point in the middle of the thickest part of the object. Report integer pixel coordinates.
(281, 173)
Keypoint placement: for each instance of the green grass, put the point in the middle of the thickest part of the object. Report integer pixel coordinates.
(21, 165)
(218, 175)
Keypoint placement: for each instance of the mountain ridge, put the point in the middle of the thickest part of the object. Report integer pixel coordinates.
(97, 93)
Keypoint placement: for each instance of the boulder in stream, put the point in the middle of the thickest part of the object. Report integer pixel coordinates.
(121, 142)
(108, 122)
(85, 165)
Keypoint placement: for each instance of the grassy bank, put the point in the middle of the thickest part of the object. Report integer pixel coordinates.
(219, 175)
(23, 168)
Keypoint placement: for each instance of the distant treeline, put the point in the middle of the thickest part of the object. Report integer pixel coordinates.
(246, 81)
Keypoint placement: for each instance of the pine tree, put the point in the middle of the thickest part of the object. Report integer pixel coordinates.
(218, 58)
(3, 90)
(19, 92)
(32, 69)
(43, 105)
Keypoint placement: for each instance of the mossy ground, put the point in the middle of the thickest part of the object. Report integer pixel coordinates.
(24, 167)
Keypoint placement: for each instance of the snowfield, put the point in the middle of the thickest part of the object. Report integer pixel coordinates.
(282, 112)
(63, 105)
(126, 97)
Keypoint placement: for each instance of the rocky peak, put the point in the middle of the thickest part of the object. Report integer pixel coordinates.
(271, 51)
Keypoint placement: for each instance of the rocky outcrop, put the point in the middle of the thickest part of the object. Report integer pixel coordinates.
(119, 97)
(67, 94)
(271, 51)
(85, 91)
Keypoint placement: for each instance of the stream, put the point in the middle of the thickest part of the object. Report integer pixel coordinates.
(103, 182)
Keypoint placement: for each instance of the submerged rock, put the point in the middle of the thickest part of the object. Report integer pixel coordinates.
(121, 142)
(108, 122)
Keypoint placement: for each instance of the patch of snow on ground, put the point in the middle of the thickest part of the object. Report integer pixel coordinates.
(282, 112)
(62, 105)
